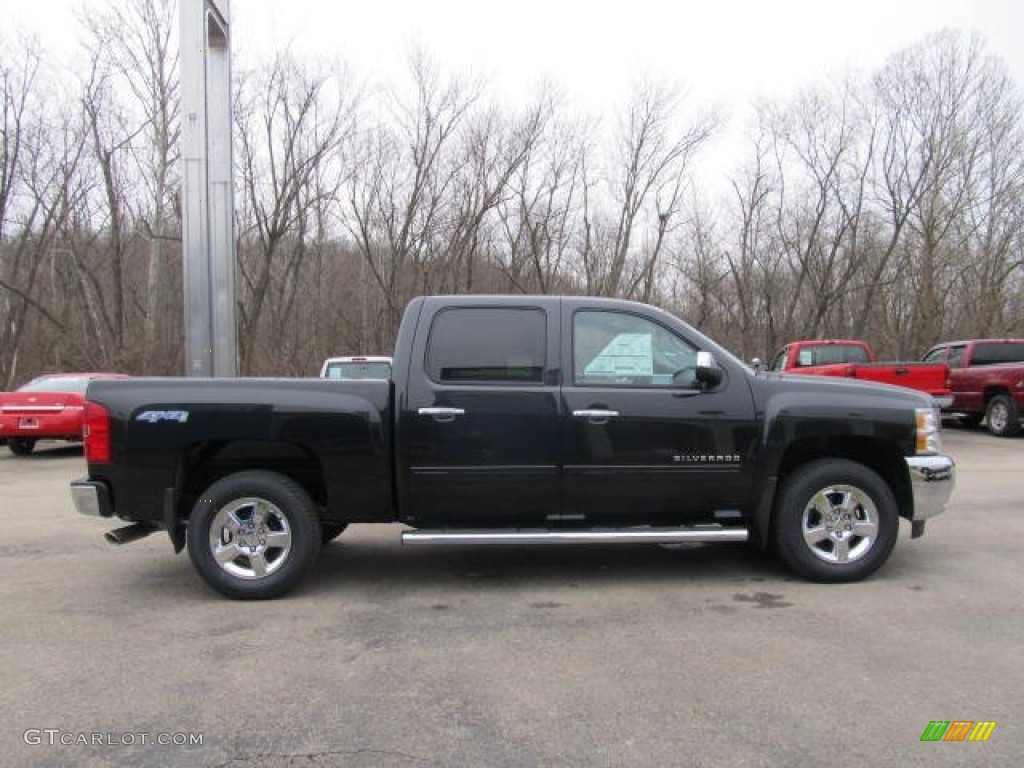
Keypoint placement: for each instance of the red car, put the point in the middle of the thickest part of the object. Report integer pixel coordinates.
(48, 407)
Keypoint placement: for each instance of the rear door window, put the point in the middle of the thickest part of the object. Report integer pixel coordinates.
(994, 352)
(487, 345)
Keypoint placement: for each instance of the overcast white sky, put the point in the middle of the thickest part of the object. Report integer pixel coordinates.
(728, 52)
(725, 50)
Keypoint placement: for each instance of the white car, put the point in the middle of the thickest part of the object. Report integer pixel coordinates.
(356, 368)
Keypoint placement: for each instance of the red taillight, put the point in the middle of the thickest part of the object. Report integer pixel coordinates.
(97, 433)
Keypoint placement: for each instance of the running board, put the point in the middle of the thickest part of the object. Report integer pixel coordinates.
(697, 534)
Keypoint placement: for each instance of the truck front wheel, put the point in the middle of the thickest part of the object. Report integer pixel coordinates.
(1002, 416)
(253, 535)
(835, 521)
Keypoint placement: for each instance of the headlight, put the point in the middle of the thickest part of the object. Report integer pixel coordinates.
(927, 422)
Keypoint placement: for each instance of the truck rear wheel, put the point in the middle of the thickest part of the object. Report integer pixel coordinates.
(1002, 416)
(253, 535)
(835, 521)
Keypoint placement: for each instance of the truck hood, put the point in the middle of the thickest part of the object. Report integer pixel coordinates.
(842, 392)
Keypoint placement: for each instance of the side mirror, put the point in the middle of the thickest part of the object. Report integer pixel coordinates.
(708, 372)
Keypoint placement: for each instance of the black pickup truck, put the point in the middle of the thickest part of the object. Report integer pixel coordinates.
(517, 420)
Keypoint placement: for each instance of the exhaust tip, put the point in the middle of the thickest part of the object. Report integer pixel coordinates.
(129, 533)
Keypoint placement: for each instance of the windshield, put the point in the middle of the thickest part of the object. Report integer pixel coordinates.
(57, 384)
(830, 354)
(358, 370)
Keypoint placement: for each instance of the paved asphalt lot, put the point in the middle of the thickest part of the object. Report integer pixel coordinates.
(558, 656)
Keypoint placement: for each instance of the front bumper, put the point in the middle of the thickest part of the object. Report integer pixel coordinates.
(91, 498)
(932, 479)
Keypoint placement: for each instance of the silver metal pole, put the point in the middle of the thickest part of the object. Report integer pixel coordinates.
(208, 240)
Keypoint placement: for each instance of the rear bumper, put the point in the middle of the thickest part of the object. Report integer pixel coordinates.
(943, 401)
(91, 498)
(932, 479)
(66, 425)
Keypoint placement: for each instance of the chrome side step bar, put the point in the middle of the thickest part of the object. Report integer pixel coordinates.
(698, 534)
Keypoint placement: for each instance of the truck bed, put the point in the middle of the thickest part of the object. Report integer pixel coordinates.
(930, 378)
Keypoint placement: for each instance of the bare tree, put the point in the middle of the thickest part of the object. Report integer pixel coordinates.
(399, 205)
(700, 283)
(762, 294)
(651, 160)
(136, 43)
(827, 151)
(926, 92)
(539, 218)
(988, 231)
(28, 173)
(493, 151)
(292, 122)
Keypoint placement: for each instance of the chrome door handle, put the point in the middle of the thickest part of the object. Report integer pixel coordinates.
(596, 415)
(442, 415)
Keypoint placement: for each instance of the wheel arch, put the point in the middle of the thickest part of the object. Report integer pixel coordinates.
(994, 390)
(881, 456)
(203, 464)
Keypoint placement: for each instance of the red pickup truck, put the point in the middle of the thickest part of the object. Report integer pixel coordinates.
(855, 359)
(986, 377)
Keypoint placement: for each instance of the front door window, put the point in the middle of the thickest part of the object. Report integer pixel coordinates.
(618, 349)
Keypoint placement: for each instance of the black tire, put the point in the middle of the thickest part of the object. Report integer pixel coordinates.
(1002, 416)
(235, 526)
(824, 545)
(331, 531)
(21, 446)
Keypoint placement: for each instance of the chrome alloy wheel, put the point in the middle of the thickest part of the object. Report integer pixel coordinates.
(998, 417)
(250, 538)
(840, 524)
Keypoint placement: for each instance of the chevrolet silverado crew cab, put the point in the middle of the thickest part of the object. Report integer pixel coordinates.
(517, 420)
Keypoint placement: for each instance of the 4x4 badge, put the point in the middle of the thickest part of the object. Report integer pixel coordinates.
(154, 416)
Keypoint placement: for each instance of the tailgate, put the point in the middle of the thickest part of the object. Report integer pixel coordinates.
(925, 377)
